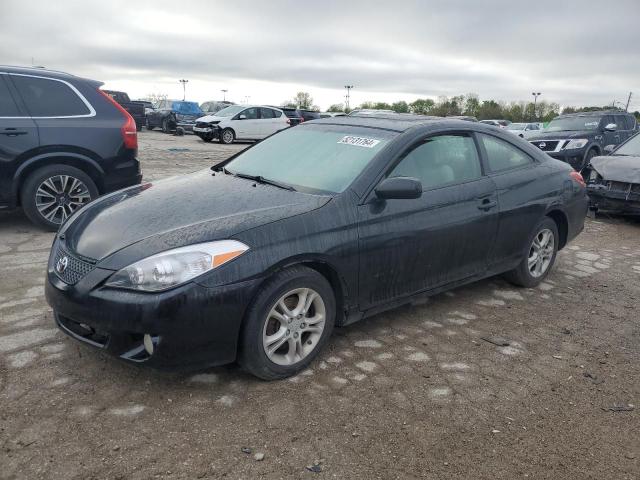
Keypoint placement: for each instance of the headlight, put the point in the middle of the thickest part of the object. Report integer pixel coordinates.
(577, 143)
(174, 267)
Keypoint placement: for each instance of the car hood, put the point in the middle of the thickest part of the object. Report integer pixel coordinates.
(618, 168)
(179, 211)
(562, 135)
(211, 118)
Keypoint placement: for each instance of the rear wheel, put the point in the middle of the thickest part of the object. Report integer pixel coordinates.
(288, 323)
(227, 136)
(149, 127)
(52, 194)
(540, 256)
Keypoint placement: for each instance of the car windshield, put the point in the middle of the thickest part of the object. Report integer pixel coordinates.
(573, 124)
(516, 126)
(313, 158)
(186, 108)
(632, 147)
(230, 111)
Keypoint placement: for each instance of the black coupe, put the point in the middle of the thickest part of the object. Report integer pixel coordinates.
(258, 258)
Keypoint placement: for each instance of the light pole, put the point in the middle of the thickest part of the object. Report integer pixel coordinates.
(535, 102)
(224, 94)
(347, 96)
(184, 88)
(246, 99)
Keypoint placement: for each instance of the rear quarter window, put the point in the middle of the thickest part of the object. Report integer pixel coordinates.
(45, 97)
(502, 155)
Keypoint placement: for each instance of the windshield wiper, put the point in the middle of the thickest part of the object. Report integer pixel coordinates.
(261, 179)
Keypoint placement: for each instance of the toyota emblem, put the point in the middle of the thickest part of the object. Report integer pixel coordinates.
(542, 144)
(62, 265)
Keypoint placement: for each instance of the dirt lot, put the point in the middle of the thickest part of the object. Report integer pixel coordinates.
(413, 393)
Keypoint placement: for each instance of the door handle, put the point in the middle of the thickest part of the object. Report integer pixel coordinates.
(487, 204)
(12, 132)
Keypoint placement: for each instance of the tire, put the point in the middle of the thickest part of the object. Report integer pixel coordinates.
(227, 136)
(522, 275)
(35, 194)
(138, 127)
(206, 138)
(291, 353)
(166, 125)
(149, 127)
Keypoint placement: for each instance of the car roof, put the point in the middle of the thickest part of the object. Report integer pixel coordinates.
(398, 122)
(45, 72)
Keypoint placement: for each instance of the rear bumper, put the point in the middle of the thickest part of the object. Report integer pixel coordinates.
(191, 326)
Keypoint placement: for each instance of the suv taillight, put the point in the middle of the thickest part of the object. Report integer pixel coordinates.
(577, 176)
(128, 128)
(288, 121)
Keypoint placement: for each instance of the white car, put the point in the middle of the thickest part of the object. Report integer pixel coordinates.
(523, 130)
(241, 122)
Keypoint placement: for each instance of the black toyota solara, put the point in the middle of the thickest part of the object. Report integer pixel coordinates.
(321, 225)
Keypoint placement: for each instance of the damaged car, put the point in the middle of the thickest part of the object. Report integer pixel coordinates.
(257, 259)
(614, 180)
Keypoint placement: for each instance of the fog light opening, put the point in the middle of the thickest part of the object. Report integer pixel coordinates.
(149, 343)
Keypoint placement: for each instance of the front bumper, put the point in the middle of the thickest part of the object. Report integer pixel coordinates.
(191, 326)
(211, 131)
(574, 157)
(187, 126)
(615, 201)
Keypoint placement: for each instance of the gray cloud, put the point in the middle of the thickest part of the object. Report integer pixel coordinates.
(575, 52)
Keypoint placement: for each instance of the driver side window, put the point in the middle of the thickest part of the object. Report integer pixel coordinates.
(250, 113)
(441, 160)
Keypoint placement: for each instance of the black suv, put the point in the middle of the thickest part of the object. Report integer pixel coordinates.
(578, 137)
(63, 142)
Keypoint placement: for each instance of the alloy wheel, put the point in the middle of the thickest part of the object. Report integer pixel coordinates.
(294, 326)
(227, 136)
(541, 253)
(59, 196)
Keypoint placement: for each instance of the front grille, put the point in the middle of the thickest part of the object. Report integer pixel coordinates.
(546, 145)
(73, 269)
(620, 186)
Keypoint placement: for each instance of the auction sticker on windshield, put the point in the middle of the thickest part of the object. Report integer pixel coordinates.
(359, 141)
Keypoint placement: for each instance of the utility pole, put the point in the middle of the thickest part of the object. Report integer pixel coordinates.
(626, 109)
(535, 102)
(224, 94)
(184, 88)
(347, 96)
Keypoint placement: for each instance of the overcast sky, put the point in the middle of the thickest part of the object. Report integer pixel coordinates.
(574, 52)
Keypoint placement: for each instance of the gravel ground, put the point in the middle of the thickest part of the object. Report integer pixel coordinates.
(417, 392)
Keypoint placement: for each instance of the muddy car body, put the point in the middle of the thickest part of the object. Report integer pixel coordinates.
(328, 222)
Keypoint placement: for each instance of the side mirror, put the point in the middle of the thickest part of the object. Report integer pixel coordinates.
(399, 188)
(242, 117)
(611, 127)
(609, 148)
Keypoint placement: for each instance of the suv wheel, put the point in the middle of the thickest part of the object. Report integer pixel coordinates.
(166, 125)
(587, 160)
(287, 324)
(52, 194)
(227, 136)
(149, 127)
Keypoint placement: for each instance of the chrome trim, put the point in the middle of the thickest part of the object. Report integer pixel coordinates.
(92, 112)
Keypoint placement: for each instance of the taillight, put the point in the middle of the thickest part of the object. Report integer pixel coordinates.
(288, 121)
(577, 176)
(128, 128)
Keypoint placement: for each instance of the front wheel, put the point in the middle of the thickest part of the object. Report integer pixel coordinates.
(288, 323)
(540, 256)
(227, 136)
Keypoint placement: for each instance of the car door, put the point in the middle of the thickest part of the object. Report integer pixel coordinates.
(408, 246)
(18, 134)
(269, 121)
(609, 137)
(246, 124)
(517, 178)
